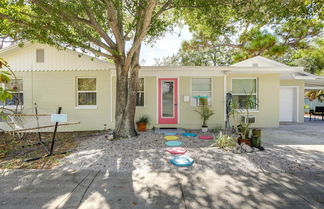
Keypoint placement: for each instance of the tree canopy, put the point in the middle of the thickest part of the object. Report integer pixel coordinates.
(286, 32)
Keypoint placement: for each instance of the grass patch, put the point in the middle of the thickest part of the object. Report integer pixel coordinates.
(15, 152)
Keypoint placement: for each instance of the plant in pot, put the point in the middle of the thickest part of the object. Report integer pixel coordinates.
(243, 110)
(205, 113)
(142, 123)
(244, 132)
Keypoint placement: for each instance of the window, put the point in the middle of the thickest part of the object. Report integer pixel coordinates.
(40, 55)
(86, 91)
(201, 88)
(244, 93)
(16, 88)
(140, 93)
(245, 119)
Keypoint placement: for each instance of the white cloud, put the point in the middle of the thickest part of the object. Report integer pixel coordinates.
(167, 46)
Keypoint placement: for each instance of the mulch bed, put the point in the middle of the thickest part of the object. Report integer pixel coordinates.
(14, 152)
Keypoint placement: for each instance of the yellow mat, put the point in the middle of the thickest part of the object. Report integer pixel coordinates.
(170, 138)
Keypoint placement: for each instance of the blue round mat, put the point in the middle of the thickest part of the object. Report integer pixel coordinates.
(173, 143)
(189, 134)
(182, 160)
(170, 134)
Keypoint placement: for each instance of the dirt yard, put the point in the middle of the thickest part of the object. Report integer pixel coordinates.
(14, 152)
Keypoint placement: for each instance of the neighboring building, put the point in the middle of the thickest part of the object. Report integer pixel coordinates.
(313, 83)
(85, 88)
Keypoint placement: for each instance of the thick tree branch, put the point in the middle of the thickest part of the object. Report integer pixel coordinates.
(4, 16)
(72, 18)
(96, 52)
(141, 30)
(113, 22)
(95, 25)
(165, 7)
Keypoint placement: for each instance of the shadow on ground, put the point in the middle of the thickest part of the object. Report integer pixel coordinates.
(280, 177)
(212, 185)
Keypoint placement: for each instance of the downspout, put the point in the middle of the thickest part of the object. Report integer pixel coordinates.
(224, 96)
(32, 88)
(111, 96)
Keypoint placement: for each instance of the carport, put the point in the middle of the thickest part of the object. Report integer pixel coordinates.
(313, 83)
(292, 99)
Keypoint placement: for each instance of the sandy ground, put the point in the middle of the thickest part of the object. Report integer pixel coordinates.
(148, 152)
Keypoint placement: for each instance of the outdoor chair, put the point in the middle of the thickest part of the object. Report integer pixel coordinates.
(318, 111)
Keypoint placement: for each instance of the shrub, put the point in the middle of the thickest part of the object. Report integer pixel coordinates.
(217, 129)
(223, 140)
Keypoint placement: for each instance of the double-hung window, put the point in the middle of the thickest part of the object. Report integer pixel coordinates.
(245, 91)
(201, 88)
(86, 91)
(15, 86)
(140, 93)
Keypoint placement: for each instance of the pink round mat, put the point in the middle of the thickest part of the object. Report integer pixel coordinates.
(176, 150)
(206, 137)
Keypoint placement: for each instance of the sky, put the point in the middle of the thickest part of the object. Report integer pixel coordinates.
(166, 46)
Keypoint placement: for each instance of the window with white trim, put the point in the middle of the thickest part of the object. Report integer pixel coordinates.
(201, 88)
(140, 93)
(86, 91)
(244, 91)
(15, 86)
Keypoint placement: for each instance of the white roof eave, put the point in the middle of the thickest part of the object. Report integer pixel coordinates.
(264, 69)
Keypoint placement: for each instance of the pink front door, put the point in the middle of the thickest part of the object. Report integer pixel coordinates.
(168, 101)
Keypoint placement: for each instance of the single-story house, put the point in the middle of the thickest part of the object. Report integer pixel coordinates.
(85, 88)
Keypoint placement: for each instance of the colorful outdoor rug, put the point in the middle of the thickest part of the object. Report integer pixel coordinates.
(173, 143)
(189, 134)
(170, 138)
(182, 160)
(205, 137)
(176, 150)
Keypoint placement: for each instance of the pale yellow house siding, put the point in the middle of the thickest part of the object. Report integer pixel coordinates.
(51, 90)
(267, 114)
(188, 118)
(150, 101)
(300, 85)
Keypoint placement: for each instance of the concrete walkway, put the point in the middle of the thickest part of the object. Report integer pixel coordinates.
(178, 188)
(308, 133)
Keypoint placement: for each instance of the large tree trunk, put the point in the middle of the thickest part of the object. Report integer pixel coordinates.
(126, 90)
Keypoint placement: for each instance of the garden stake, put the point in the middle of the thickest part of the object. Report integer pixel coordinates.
(55, 129)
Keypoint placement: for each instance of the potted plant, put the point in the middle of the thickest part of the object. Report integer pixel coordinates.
(243, 128)
(142, 123)
(205, 113)
(244, 132)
